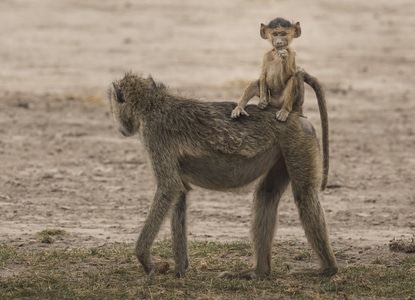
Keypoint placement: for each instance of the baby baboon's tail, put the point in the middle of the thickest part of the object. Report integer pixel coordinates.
(321, 99)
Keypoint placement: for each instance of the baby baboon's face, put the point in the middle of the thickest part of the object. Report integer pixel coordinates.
(122, 111)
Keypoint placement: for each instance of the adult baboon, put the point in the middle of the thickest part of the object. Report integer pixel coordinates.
(192, 142)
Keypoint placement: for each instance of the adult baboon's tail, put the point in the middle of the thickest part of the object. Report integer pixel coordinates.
(321, 99)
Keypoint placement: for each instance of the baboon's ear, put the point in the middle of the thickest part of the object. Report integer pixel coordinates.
(297, 30)
(152, 82)
(161, 86)
(263, 31)
(118, 94)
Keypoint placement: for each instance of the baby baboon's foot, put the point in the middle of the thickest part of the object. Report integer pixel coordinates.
(262, 103)
(238, 111)
(282, 115)
(246, 274)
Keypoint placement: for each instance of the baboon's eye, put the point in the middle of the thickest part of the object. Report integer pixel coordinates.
(275, 33)
(283, 33)
(118, 94)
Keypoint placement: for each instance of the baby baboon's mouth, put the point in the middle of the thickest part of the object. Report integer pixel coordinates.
(280, 47)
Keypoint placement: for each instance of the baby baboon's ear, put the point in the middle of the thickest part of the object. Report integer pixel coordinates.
(263, 31)
(118, 93)
(297, 30)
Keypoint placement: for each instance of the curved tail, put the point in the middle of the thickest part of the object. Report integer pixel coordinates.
(321, 99)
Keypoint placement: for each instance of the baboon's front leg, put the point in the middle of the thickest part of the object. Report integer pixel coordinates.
(179, 237)
(158, 211)
(250, 91)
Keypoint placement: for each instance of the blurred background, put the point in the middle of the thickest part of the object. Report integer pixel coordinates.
(73, 45)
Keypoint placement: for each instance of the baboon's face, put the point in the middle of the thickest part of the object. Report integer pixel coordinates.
(123, 111)
(280, 37)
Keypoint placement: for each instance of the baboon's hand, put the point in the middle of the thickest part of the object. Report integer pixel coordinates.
(238, 111)
(282, 115)
(283, 53)
(262, 103)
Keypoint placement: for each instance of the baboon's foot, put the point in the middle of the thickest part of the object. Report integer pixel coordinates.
(327, 272)
(161, 267)
(263, 103)
(150, 272)
(181, 263)
(179, 272)
(282, 115)
(246, 274)
(147, 263)
(238, 111)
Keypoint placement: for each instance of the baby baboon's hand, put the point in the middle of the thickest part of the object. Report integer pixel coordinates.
(262, 103)
(282, 115)
(283, 53)
(238, 111)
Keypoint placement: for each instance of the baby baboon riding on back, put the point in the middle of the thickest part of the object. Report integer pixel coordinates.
(277, 85)
(281, 83)
(190, 142)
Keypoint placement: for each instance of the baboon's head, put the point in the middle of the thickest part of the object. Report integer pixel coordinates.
(129, 98)
(280, 32)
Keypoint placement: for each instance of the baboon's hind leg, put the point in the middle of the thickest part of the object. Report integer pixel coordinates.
(288, 98)
(306, 176)
(314, 224)
(264, 210)
(179, 237)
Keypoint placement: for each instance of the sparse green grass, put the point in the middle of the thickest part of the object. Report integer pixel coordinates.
(47, 236)
(113, 273)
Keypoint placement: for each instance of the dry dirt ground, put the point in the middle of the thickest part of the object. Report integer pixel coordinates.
(63, 165)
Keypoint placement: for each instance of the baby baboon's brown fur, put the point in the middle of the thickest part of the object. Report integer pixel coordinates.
(277, 85)
(196, 143)
(281, 82)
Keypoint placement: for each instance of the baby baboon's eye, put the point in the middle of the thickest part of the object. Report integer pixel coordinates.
(283, 33)
(275, 33)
